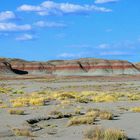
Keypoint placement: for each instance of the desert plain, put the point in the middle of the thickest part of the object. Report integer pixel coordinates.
(67, 107)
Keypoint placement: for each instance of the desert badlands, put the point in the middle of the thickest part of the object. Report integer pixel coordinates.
(79, 67)
(83, 99)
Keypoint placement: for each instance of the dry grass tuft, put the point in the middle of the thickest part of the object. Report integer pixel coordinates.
(98, 133)
(20, 102)
(134, 97)
(105, 115)
(22, 132)
(37, 101)
(94, 134)
(3, 106)
(5, 90)
(77, 111)
(114, 134)
(78, 120)
(30, 101)
(58, 114)
(64, 95)
(82, 99)
(92, 114)
(16, 112)
(135, 109)
(18, 92)
(104, 97)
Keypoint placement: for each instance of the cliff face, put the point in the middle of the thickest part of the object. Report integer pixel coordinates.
(82, 67)
(5, 68)
(93, 67)
(137, 65)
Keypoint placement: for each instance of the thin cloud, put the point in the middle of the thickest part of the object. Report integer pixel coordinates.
(12, 27)
(79, 46)
(49, 24)
(73, 55)
(53, 8)
(69, 55)
(7, 15)
(103, 46)
(105, 1)
(25, 37)
(118, 53)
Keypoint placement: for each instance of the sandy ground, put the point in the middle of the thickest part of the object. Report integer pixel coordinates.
(57, 129)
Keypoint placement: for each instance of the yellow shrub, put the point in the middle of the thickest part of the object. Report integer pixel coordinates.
(5, 90)
(23, 101)
(22, 132)
(88, 93)
(105, 98)
(18, 104)
(82, 99)
(114, 134)
(65, 95)
(134, 97)
(104, 115)
(16, 112)
(98, 133)
(92, 114)
(66, 102)
(3, 106)
(81, 120)
(37, 101)
(1, 101)
(135, 109)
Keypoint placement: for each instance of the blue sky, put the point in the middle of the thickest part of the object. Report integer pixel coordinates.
(69, 29)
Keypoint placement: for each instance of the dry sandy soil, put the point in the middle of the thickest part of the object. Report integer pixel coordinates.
(43, 124)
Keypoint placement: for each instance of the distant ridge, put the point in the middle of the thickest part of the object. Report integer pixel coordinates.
(78, 67)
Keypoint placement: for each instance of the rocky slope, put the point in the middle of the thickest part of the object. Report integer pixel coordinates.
(137, 65)
(5, 67)
(82, 67)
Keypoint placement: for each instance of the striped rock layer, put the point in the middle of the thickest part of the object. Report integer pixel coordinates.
(80, 67)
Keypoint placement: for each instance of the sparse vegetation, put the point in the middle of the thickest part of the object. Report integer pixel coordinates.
(92, 114)
(23, 101)
(68, 98)
(78, 120)
(5, 90)
(16, 112)
(105, 115)
(114, 134)
(70, 105)
(82, 99)
(18, 92)
(77, 111)
(98, 133)
(37, 101)
(58, 114)
(105, 98)
(135, 109)
(3, 105)
(22, 132)
(134, 97)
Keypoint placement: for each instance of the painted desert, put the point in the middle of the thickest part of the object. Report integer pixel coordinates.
(82, 99)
